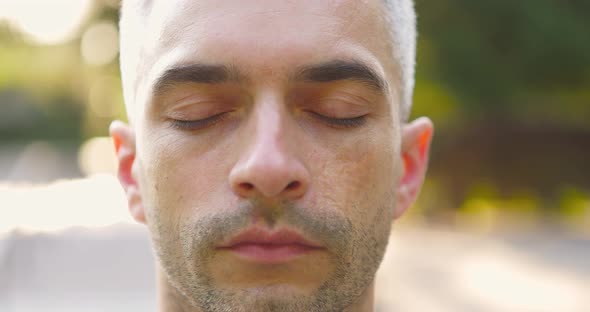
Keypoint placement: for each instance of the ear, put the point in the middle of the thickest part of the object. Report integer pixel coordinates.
(124, 139)
(416, 138)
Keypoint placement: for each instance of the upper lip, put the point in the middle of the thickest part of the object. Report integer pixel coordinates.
(261, 236)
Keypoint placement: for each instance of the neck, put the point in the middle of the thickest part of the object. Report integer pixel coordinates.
(171, 301)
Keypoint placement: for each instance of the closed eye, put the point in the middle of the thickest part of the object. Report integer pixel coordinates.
(354, 122)
(199, 124)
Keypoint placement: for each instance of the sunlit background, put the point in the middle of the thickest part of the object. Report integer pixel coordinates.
(502, 224)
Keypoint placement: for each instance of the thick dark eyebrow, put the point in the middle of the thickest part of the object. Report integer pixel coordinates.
(195, 73)
(342, 70)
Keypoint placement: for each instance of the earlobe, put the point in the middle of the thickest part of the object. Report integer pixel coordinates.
(416, 139)
(124, 141)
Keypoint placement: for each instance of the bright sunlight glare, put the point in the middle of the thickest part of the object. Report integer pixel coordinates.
(46, 22)
(92, 202)
(510, 282)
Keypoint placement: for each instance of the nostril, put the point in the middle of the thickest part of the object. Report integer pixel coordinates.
(293, 185)
(246, 186)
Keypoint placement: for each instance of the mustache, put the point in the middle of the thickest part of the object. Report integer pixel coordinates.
(328, 227)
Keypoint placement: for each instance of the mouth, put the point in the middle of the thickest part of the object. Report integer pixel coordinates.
(261, 246)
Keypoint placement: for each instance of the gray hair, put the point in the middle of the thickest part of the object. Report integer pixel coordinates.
(400, 18)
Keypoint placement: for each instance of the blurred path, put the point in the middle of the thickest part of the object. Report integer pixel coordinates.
(427, 270)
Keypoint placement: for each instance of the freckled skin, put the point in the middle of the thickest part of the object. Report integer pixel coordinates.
(192, 183)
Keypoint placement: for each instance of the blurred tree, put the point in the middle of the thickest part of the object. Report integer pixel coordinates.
(511, 58)
(507, 83)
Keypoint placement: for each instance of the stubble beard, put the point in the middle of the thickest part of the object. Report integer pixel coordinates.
(186, 252)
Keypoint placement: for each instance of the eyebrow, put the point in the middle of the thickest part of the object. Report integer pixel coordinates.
(195, 73)
(342, 70)
(330, 71)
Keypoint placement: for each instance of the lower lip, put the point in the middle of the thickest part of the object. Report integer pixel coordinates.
(270, 254)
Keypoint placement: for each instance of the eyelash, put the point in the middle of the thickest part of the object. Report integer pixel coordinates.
(191, 125)
(345, 123)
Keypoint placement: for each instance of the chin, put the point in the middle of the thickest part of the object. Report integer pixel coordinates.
(277, 291)
(279, 297)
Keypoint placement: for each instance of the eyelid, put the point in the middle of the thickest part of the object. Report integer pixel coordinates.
(198, 124)
(192, 102)
(341, 108)
(338, 105)
(349, 98)
(199, 106)
(189, 95)
(353, 122)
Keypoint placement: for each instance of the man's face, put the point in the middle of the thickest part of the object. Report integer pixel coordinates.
(267, 150)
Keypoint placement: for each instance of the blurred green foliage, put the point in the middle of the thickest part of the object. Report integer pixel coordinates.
(44, 90)
(520, 60)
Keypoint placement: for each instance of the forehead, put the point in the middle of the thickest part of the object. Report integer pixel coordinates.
(263, 37)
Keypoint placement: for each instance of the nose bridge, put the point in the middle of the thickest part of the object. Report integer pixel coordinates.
(269, 165)
(270, 131)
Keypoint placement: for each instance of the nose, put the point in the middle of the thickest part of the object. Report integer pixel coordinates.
(270, 166)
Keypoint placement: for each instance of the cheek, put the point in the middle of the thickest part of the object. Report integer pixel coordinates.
(358, 178)
(184, 176)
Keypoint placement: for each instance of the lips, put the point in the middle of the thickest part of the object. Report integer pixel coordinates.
(261, 246)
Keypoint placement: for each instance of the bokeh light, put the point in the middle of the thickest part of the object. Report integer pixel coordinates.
(46, 22)
(100, 43)
(97, 156)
